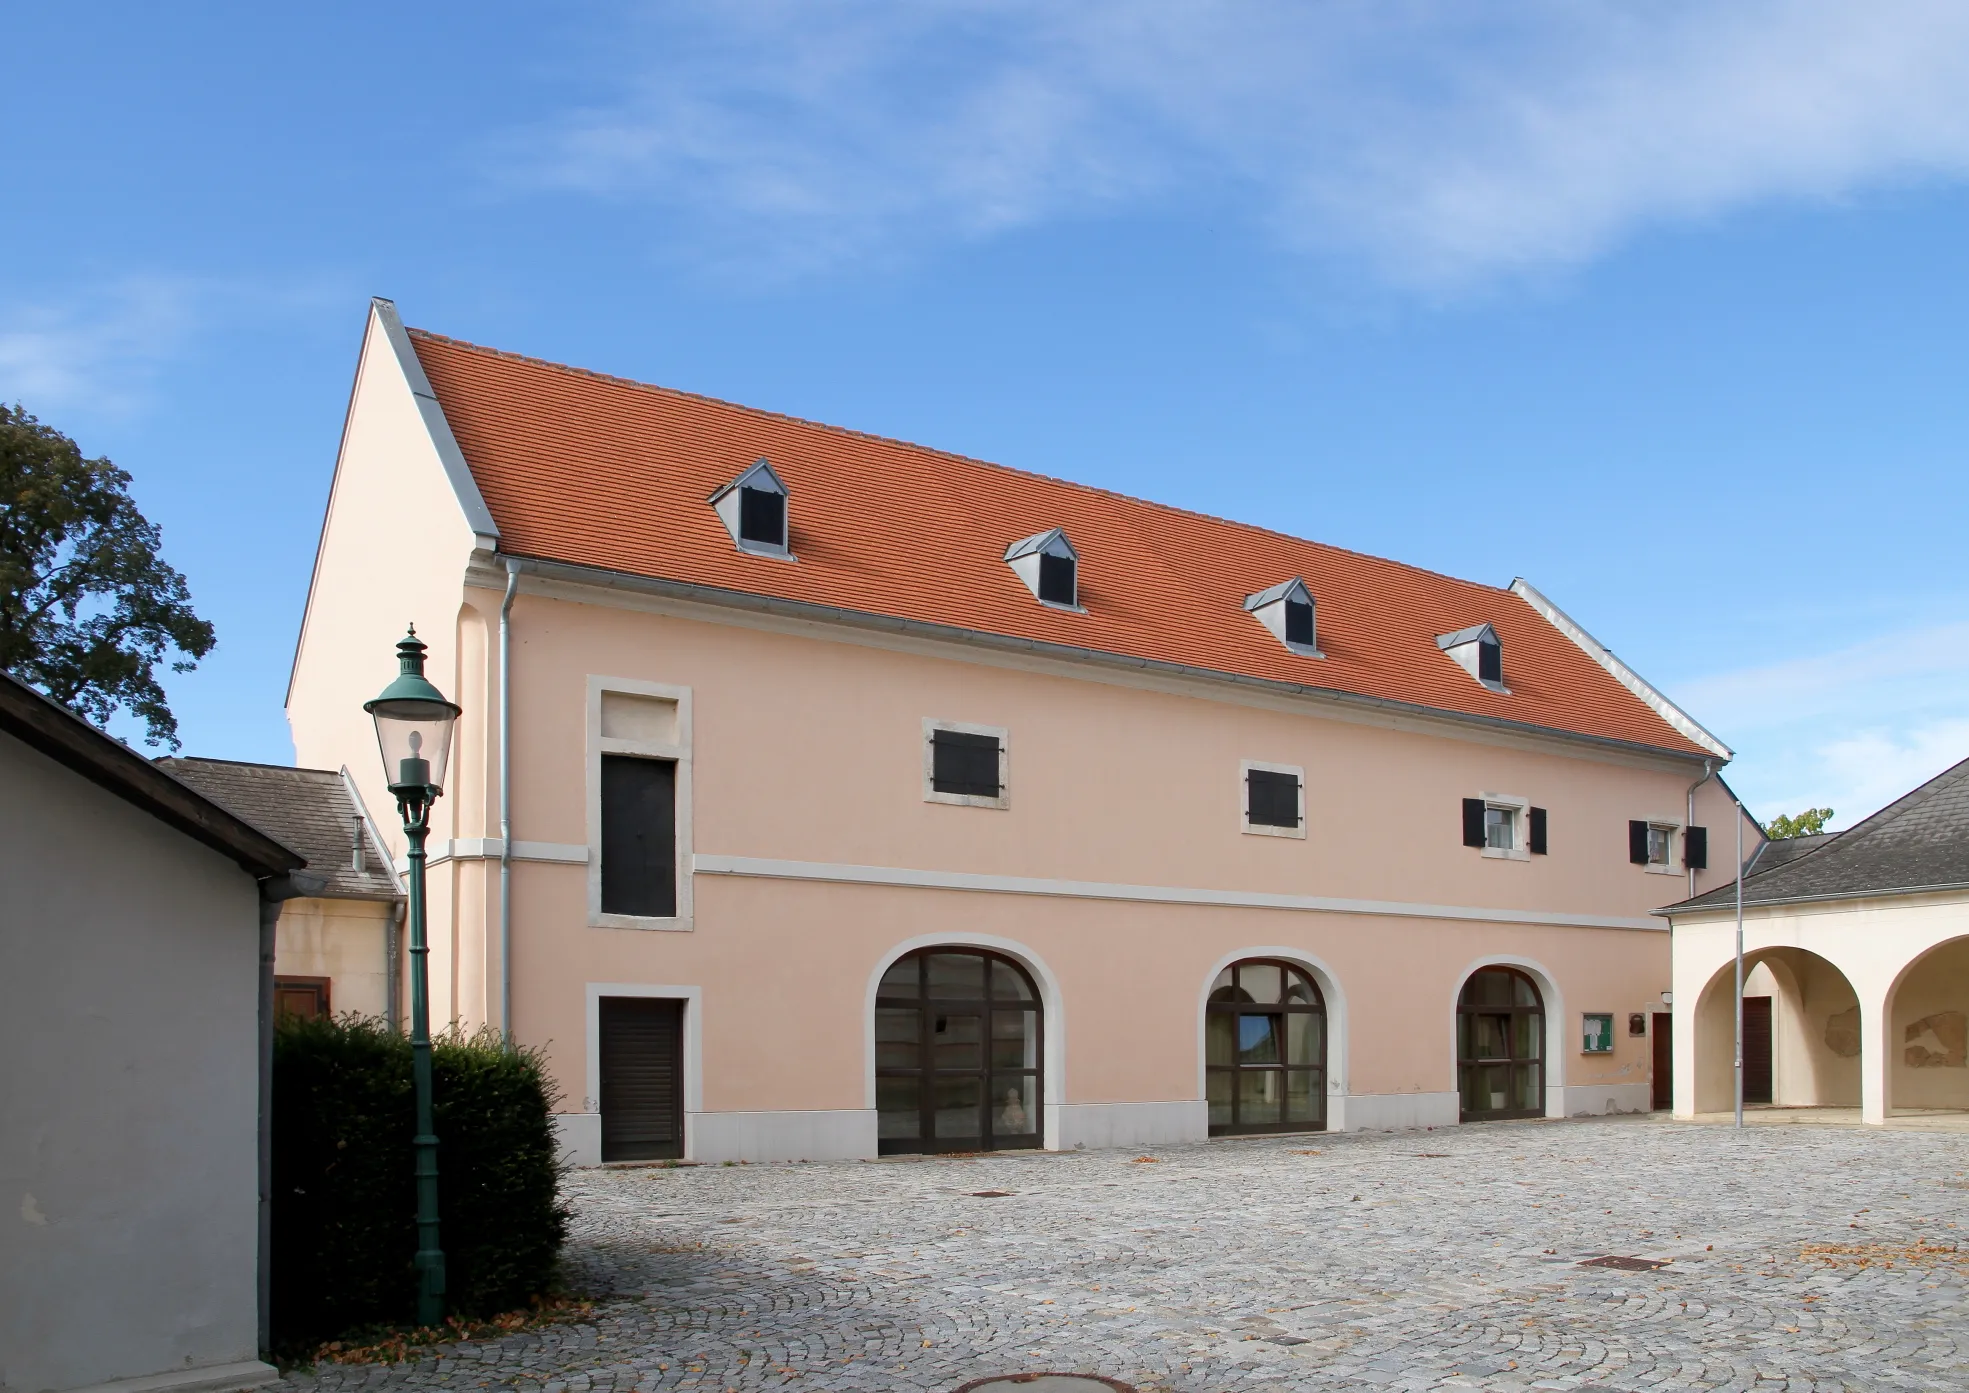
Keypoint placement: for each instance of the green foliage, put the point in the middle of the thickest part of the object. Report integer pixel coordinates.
(87, 607)
(1809, 823)
(344, 1201)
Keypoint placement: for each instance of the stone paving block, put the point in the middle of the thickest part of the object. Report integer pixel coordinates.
(1185, 1277)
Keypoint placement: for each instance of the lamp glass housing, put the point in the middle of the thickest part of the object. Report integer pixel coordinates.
(414, 737)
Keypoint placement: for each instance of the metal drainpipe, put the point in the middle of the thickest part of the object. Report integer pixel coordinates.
(1708, 773)
(506, 802)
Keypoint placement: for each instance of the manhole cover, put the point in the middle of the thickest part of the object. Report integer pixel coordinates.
(1045, 1383)
(1625, 1264)
(991, 1194)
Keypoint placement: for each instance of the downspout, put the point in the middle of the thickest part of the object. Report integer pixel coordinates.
(1708, 773)
(506, 802)
(274, 892)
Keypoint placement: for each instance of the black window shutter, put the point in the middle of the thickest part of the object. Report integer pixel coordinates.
(1473, 822)
(1299, 622)
(1490, 662)
(1271, 798)
(762, 516)
(1537, 837)
(639, 836)
(1637, 843)
(964, 764)
(1695, 848)
(1056, 579)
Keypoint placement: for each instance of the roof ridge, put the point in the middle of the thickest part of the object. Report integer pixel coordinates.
(1895, 810)
(248, 764)
(873, 437)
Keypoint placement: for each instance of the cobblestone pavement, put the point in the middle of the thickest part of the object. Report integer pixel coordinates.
(1442, 1259)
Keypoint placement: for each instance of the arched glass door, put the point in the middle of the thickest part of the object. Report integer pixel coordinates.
(1500, 1046)
(1264, 1034)
(957, 1051)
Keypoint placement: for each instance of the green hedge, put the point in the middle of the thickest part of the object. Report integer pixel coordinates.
(344, 1200)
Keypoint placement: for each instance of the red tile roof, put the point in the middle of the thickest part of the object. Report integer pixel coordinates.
(598, 471)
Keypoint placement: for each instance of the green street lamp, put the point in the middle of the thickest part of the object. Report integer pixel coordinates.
(413, 731)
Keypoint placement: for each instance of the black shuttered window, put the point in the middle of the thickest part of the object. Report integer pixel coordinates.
(639, 836)
(1473, 822)
(1271, 798)
(1536, 836)
(1695, 848)
(965, 765)
(1637, 843)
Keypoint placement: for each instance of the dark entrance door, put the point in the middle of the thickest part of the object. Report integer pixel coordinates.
(642, 1048)
(957, 1054)
(1756, 1049)
(1500, 1046)
(1664, 1061)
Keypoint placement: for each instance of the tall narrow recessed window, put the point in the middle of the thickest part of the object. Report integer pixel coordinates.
(1049, 566)
(753, 509)
(639, 836)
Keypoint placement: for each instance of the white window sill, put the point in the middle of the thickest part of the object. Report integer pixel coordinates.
(1500, 853)
(646, 923)
(968, 800)
(1654, 869)
(1260, 829)
(1064, 609)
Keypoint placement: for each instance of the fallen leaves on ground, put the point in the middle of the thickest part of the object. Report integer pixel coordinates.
(393, 1346)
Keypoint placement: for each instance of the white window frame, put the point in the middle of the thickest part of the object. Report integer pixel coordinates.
(1259, 829)
(1520, 848)
(931, 725)
(1673, 827)
(678, 751)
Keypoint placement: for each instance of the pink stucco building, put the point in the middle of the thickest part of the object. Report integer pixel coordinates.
(820, 795)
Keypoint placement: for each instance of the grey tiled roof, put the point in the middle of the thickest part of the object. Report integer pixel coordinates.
(310, 810)
(1919, 842)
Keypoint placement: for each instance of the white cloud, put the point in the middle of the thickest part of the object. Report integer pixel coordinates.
(1444, 143)
(1851, 729)
(98, 350)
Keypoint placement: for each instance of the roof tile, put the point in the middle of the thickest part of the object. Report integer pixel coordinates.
(598, 471)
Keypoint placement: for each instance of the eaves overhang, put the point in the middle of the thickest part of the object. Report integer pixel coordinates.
(578, 574)
(61, 735)
(1685, 910)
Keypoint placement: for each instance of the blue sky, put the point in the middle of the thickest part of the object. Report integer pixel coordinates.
(1661, 306)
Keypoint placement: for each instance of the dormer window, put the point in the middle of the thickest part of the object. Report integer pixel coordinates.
(753, 509)
(1287, 610)
(1049, 566)
(1477, 651)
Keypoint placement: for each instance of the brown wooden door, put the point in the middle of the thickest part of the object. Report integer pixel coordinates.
(642, 1083)
(1664, 1061)
(1756, 1049)
(305, 997)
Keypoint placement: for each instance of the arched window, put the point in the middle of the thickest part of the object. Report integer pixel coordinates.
(1264, 1035)
(1500, 1046)
(957, 1051)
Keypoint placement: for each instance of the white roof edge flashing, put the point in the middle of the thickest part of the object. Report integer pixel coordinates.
(463, 486)
(1675, 716)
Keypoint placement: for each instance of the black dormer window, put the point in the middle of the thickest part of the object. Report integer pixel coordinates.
(1299, 622)
(753, 509)
(1490, 661)
(1056, 580)
(762, 516)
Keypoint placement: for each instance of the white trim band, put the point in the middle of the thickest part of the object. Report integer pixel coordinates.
(774, 869)
(488, 849)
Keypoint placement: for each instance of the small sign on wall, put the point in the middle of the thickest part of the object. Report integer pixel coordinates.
(1596, 1032)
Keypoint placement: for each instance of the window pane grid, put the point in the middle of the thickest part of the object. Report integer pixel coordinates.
(1264, 1050)
(958, 1052)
